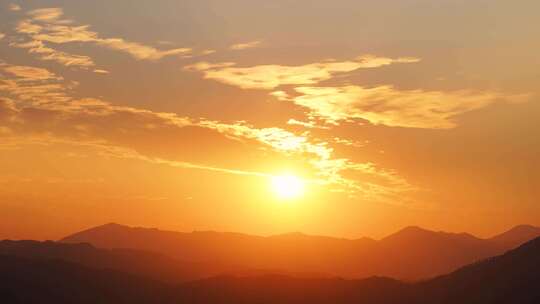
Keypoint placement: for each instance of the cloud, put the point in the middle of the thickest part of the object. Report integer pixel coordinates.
(47, 25)
(43, 105)
(386, 105)
(245, 45)
(46, 14)
(380, 105)
(207, 52)
(308, 124)
(348, 142)
(280, 95)
(2, 35)
(108, 150)
(7, 109)
(29, 73)
(27, 27)
(32, 84)
(376, 184)
(272, 76)
(49, 54)
(14, 7)
(204, 66)
(140, 51)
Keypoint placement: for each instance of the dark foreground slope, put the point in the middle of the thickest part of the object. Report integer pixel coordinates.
(511, 278)
(41, 281)
(422, 253)
(31, 281)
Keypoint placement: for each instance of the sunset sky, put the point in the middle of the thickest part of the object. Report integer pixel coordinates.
(199, 114)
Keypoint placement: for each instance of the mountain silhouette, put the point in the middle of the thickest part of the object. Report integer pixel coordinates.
(513, 277)
(517, 236)
(43, 281)
(422, 253)
(144, 263)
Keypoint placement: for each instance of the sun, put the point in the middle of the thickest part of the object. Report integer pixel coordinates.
(287, 186)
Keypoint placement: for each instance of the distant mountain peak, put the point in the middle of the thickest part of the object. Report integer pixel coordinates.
(524, 228)
(409, 232)
(112, 225)
(517, 235)
(414, 229)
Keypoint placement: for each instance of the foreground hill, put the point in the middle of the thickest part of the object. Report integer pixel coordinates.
(511, 278)
(422, 253)
(29, 281)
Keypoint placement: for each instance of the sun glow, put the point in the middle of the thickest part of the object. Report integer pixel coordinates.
(288, 186)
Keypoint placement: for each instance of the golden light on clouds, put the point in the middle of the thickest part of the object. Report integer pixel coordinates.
(14, 7)
(47, 26)
(246, 45)
(271, 76)
(386, 105)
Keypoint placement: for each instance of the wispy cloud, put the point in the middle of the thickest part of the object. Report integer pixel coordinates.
(379, 105)
(245, 45)
(207, 52)
(14, 7)
(43, 52)
(140, 51)
(8, 110)
(52, 28)
(386, 105)
(32, 84)
(46, 14)
(29, 73)
(27, 27)
(272, 76)
(306, 124)
(376, 184)
(2, 35)
(47, 25)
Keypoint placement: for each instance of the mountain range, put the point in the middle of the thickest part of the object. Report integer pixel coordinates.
(513, 277)
(410, 254)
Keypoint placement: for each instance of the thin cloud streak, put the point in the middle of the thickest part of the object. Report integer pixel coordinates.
(49, 54)
(272, 76)
(245, 45)
(14, 7)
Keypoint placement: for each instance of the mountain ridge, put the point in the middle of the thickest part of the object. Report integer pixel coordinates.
(509, 278)
(441, 252)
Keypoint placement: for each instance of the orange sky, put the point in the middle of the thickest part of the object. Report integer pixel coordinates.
(177, 114)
